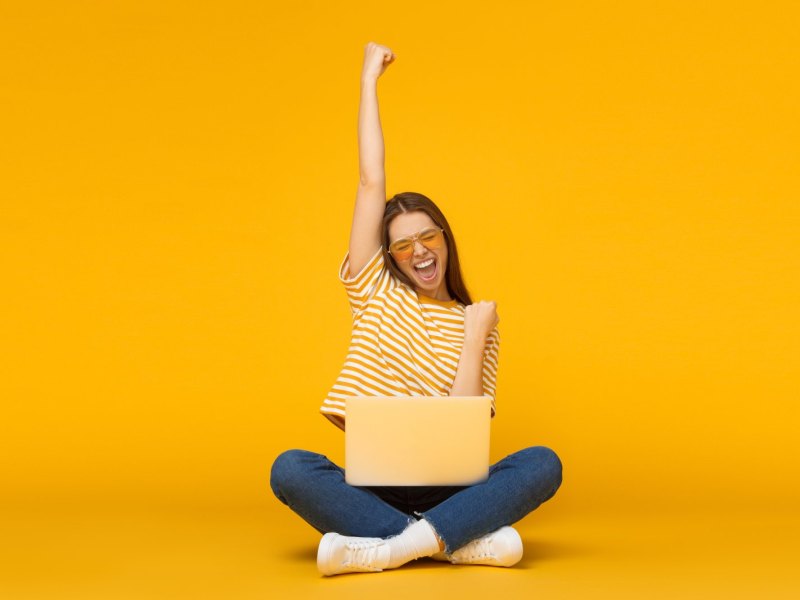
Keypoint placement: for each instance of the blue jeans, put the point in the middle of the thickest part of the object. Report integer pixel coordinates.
(314, 488)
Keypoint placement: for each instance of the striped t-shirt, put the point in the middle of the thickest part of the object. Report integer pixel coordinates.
(402, 343)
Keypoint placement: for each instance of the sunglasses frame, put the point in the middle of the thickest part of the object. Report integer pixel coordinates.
(415, 238)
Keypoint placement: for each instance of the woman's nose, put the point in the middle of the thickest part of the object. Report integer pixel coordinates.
(418, 247)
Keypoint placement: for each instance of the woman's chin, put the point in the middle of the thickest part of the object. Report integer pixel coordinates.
(428, 288)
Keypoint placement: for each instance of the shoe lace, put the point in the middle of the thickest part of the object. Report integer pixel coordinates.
(480, 548)
(362, 555)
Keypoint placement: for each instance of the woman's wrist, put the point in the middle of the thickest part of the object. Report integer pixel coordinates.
(474, 342)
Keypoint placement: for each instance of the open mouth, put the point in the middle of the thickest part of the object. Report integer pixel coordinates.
(426, 270)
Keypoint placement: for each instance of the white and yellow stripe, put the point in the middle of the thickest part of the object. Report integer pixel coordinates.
(402, 343)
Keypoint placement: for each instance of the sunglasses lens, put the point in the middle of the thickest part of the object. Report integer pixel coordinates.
(432, 238)
(402, 249)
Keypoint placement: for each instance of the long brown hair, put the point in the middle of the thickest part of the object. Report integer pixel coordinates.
(405, 202)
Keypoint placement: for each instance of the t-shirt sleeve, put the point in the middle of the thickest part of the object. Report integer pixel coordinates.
(362, 286)
(490, 356)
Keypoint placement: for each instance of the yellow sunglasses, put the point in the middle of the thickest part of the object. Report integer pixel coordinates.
(431, 237)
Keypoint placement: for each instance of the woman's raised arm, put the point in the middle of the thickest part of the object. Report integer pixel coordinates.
(365, 233)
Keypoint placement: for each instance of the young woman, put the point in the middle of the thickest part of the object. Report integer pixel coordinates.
(416, 331)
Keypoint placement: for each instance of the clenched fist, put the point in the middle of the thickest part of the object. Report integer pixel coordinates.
(480, 319)
(376, 59)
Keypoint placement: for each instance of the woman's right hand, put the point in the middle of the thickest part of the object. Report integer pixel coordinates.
(480, 319)
(376, 59)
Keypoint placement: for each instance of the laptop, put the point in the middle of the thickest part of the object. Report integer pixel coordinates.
(417, 440)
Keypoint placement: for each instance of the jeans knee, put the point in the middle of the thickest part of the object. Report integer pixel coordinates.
(548, 465)
(284, 470)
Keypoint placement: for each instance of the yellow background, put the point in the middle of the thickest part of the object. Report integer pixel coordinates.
(177, 188)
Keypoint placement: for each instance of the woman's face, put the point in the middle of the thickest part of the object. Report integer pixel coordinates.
(428, 280)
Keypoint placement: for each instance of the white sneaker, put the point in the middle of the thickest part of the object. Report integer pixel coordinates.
(343, 554)
(501, 548)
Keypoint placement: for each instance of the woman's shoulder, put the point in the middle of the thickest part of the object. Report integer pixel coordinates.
(395, 295)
